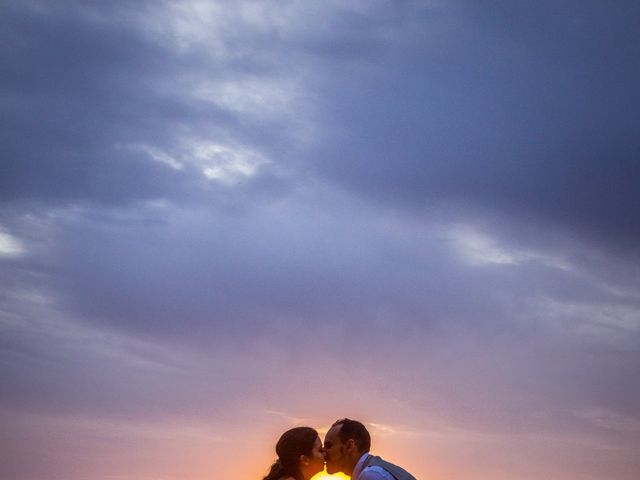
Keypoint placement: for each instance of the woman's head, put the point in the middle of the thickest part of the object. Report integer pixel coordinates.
(299, 455)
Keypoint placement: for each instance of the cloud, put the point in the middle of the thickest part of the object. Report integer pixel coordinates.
(10, 246)
(612, 420)
(415, 106)
(180, 293)
(87, 100)
(481, 249)
(466, 110)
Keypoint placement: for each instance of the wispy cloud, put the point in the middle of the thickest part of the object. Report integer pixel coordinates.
(612, 420)
(11, 246)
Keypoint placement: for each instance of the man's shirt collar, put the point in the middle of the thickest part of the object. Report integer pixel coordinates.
(360, 465)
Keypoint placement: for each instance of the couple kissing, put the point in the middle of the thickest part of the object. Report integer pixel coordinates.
(301, 454)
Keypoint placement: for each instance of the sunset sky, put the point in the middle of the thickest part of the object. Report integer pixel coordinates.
(219, 220)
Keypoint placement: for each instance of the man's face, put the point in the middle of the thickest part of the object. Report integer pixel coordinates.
(334, 452)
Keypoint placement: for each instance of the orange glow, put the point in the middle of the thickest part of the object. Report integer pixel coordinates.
(325, 476)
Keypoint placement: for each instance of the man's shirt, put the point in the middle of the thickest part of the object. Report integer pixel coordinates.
(373, 472)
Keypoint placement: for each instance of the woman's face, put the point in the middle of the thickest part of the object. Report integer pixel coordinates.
(316, 461)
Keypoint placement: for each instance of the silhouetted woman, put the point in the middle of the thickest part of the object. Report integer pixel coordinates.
(300, 455)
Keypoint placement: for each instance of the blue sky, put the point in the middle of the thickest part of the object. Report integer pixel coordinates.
(222, 219)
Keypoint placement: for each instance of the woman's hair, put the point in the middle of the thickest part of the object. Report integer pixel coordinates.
(293, 443)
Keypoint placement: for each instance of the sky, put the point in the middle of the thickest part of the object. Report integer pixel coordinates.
(219, 220)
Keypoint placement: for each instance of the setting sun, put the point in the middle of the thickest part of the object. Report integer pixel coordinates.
(325, 476)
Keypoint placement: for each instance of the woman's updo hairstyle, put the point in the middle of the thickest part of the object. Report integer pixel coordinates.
(293, 443)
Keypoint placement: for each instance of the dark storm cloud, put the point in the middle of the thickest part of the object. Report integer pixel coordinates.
(529, 111)
(532, 111)
(65, 96)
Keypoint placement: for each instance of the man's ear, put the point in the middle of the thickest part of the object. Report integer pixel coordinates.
(304, 460)
(350, 445)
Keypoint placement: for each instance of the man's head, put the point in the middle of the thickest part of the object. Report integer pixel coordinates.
(344, 444)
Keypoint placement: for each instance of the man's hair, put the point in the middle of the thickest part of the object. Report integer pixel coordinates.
(355, 430)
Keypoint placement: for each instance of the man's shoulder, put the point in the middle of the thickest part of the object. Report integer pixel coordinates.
(387, 470)
(375, 472)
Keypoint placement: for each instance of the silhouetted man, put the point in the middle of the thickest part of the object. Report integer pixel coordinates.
(346, 450)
